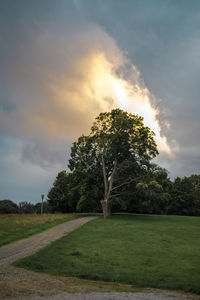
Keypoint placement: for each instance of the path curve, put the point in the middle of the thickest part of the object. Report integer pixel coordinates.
(26, 247)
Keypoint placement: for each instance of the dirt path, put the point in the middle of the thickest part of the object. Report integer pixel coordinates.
(19, 282)
(26, 247)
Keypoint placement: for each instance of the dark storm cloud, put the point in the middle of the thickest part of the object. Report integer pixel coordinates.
(45, 155)
(22, 180)
(22, 177)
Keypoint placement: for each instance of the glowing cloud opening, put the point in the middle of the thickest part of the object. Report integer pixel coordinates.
(134, 98)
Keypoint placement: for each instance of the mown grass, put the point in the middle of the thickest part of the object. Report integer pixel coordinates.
(15, 227)
(142, 250)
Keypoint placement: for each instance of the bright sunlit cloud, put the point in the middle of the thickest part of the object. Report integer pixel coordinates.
(113, 90)
(69, 81)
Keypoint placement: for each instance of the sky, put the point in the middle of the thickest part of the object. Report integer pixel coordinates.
(63, 62)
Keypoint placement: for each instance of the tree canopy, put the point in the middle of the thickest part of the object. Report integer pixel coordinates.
(116, 137)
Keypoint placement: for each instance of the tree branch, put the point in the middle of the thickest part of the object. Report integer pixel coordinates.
(127, 182)
(114, 195)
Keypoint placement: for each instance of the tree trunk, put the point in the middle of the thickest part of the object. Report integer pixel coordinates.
(108, 183)
(106, 209)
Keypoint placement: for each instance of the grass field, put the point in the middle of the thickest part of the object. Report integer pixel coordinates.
(15, 227)
(143, 250)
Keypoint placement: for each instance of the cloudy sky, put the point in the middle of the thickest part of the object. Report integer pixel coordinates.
(63, 62)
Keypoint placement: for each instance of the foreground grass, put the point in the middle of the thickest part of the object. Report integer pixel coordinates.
(142, 250)
(15, 227)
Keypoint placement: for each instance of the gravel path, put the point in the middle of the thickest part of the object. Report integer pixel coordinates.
(109, 296)
(26, 247)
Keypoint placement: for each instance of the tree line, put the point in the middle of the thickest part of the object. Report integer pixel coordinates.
(24, 207)
(155, 194)
(111, 169)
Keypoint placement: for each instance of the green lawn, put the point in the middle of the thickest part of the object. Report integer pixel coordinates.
(15, 227)
(143, 250)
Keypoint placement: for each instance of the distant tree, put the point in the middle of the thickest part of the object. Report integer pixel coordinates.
(150, 193)
(8, 207)
(159, 174)
(152, 198)
(26, 208)
(185, 196)
(194, 179)
(116, 137)
(61, 196)
(77, 191)
(46, 207)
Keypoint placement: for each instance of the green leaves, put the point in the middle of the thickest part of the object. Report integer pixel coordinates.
(122, 134)
(115, 138)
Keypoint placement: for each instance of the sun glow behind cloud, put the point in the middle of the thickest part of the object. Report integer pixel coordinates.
(116, 91)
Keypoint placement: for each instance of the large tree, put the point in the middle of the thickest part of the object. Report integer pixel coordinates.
(116, 138)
